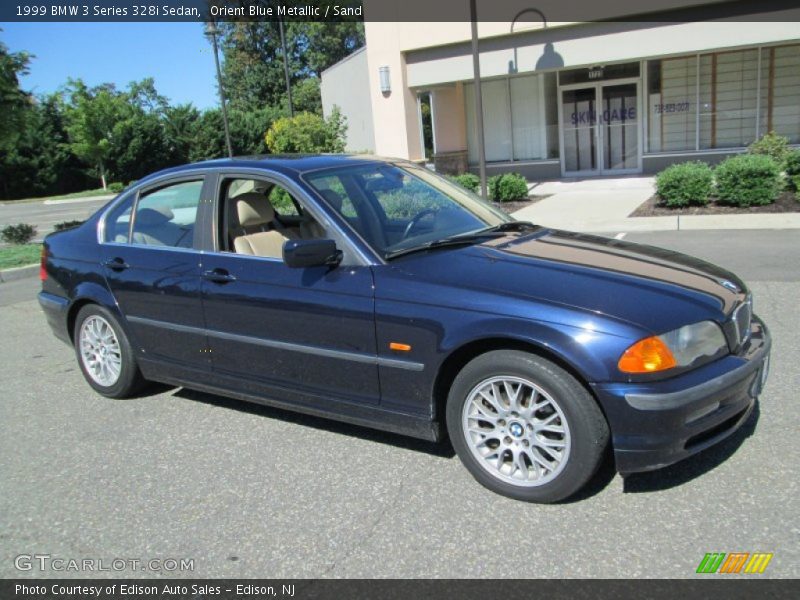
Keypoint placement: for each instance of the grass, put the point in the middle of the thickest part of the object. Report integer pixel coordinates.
(86, 194)
(19, 256)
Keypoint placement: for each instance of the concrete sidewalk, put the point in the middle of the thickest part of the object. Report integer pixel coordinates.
(603, 205)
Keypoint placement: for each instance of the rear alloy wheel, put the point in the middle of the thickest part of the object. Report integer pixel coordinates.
(524, 427)
(104, 353)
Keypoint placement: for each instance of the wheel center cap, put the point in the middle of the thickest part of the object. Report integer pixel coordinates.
(516, 429)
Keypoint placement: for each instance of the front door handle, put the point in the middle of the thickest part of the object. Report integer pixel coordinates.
(219, 276)
(116, 264)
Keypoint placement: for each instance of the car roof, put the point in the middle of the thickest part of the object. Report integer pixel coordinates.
(288, 164)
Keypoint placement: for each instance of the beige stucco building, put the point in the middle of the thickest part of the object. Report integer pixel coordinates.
(573, 99)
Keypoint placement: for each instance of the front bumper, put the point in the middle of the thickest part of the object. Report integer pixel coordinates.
(659, 423)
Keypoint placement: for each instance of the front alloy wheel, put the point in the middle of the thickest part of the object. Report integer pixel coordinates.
(524, 427)
(516, 431)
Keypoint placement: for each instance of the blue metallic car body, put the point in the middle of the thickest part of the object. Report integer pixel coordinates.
(578, 300)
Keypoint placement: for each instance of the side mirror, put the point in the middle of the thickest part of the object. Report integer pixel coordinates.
(311, 253)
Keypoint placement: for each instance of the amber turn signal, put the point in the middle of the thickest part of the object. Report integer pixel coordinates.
(399, 347)
(647, 356)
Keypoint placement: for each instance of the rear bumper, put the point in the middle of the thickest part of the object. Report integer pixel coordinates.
(55, 309)
(656, 424)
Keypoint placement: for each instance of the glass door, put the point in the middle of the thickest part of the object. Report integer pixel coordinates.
(579, 131)
(600, 131)
(620, 127)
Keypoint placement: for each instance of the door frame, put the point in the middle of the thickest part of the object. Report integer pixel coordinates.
(598, 128)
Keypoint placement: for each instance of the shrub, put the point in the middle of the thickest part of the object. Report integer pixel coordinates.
(469, 181)
(307, 133)
(67, 225)
(773, 145)
(115, 187)
(748, 179)
(22, 233)
(792, 167)
(507, 187)
(685, 183)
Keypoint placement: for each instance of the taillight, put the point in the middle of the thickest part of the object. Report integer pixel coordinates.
(43, 265)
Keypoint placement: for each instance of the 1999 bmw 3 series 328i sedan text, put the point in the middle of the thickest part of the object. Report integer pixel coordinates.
(378, 293)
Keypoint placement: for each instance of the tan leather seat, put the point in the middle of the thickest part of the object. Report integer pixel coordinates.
(255, 215)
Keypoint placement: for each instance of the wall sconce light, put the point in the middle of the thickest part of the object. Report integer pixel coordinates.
(386, 83)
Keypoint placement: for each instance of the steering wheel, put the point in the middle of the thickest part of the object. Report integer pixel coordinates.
(413, 222)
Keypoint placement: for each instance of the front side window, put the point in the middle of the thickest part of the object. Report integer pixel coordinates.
(395, 207)
(166, 216)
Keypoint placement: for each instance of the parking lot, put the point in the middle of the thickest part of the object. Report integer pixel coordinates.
(248, 491)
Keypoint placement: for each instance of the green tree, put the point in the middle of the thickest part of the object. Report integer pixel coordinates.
(40, 163)
(306, 96)
(91, 116)
(180, 125)
(323, 44)
(14, 102)
(253, 70)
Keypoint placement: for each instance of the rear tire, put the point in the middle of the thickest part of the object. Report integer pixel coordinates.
(524, 427)
(104, 353)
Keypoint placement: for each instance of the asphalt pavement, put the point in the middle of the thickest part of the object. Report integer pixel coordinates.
(45, 215)
(247, 491)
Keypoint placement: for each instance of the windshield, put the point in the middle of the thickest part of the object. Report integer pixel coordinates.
(398, 207)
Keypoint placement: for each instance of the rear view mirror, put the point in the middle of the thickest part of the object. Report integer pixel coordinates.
(311, 253)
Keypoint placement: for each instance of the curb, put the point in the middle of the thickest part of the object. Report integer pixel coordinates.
(103, 198)
(19, 273)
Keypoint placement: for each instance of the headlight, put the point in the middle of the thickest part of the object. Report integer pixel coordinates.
(678, 348)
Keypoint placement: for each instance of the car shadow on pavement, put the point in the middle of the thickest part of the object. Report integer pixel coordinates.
(442, 449)
(694, 466)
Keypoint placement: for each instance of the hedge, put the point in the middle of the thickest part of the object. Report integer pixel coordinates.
(507, 187)
(685, 183)
(748, 180)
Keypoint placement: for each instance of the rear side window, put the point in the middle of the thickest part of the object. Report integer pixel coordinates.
(118, 223)
(167, 216)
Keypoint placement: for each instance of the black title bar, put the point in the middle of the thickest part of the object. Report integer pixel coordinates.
(509, 11)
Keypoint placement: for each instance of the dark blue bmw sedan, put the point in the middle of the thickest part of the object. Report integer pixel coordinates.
(376, 292)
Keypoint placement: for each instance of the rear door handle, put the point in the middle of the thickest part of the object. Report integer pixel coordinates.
(219, 276)
(116, 264)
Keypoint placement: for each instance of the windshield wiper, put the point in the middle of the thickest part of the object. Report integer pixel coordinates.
(512, 226)
(456, 240)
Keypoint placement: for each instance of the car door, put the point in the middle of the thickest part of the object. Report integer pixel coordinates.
(298, 334)
(151, 260)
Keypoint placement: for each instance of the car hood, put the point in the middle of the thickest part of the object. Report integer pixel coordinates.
(653, 288)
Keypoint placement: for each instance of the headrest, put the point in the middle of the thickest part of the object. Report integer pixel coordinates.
(154, 216)
(333, 198)
(254, 209)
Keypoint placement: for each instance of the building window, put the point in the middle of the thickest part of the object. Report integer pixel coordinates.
(520, 118)
(780, 92)
(728, 90)
(672, 104)
(496, 121)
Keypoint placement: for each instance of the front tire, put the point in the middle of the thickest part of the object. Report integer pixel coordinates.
(524, 427)
(104, 353)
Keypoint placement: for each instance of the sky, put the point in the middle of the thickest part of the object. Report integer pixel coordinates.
(176, 55)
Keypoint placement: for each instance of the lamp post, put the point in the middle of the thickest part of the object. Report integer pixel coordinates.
(211, 32)
(285, 60)
(476, 74)
(286, 68)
